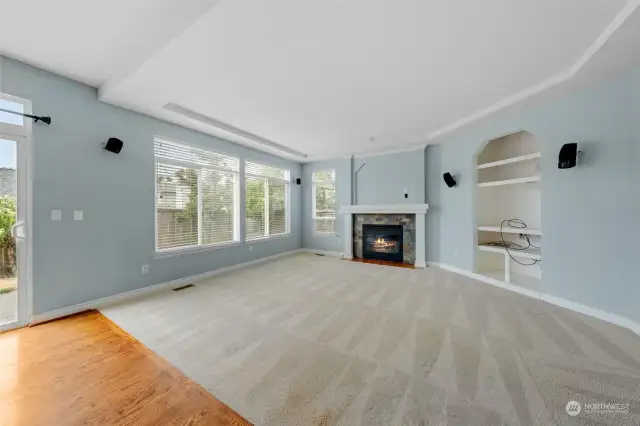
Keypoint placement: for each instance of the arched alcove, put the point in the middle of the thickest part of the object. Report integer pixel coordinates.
(508, 211)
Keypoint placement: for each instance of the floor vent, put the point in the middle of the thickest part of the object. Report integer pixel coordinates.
(184, 287)
(319, 254)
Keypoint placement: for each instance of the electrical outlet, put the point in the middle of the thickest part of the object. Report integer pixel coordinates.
(145, 269)
(250, 248)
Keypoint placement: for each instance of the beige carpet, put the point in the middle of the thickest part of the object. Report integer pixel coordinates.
(316, 340)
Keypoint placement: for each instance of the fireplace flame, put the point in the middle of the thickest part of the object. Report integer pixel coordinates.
(382, 243)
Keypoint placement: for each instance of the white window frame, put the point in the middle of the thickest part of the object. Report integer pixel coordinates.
(11, 129)
(314, 183)
(195, 248)
(287, 200)
(23, 135)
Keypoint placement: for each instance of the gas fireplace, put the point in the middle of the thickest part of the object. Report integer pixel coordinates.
(401, 226)
(382, 242)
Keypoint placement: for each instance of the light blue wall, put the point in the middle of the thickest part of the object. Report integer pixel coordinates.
(75, 262)
(384, 177)
(590, 214)
(381, 181)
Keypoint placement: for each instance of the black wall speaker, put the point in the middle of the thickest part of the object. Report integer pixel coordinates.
(114, 145)
(449, 180)
(298, 181)
(568, 157)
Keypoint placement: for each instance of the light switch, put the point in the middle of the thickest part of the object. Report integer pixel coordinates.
(78, 215)
(56, 215)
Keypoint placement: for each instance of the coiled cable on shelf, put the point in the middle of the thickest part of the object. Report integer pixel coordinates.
(509, 246)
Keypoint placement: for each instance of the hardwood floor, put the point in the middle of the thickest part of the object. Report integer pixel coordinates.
(86, 370)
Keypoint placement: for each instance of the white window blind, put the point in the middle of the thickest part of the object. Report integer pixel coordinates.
(324, 201)
(266, 200)
(196, 196)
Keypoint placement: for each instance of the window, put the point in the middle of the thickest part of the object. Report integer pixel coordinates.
(196, 196)
(266, 200)
(9, 105)
(324, 201)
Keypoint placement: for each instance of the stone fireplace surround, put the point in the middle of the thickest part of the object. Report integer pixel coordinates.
(411, 216)
(407, 221)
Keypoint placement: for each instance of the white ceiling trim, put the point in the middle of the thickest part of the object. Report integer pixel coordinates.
(550, 82)
(373, 153)
(275, 148)
(538, 88)
(266, 143)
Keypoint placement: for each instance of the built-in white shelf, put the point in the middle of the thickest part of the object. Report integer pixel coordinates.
(505, 164)
(510, 230)
(518, 159)
(530, 253)
(529, 179)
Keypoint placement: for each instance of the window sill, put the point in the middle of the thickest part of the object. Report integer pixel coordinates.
(325, 234)
(269, 238)
(197, 249)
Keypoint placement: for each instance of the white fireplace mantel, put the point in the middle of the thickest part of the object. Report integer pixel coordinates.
(420, 210)
(387, 209)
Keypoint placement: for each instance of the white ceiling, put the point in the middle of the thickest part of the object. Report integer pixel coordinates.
(318, 78)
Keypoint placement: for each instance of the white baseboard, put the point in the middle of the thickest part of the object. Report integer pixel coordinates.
(593, 312)
(324, 252)
(488, 280)
(554, 300)
(119, 298)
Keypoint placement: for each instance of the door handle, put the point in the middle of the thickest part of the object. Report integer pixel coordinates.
(17, 231)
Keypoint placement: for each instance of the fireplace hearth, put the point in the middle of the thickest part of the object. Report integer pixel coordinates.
(382, 242)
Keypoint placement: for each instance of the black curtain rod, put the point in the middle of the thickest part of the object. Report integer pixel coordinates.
(45, 120)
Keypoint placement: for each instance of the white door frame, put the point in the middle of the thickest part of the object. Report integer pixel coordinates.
(22, 135)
